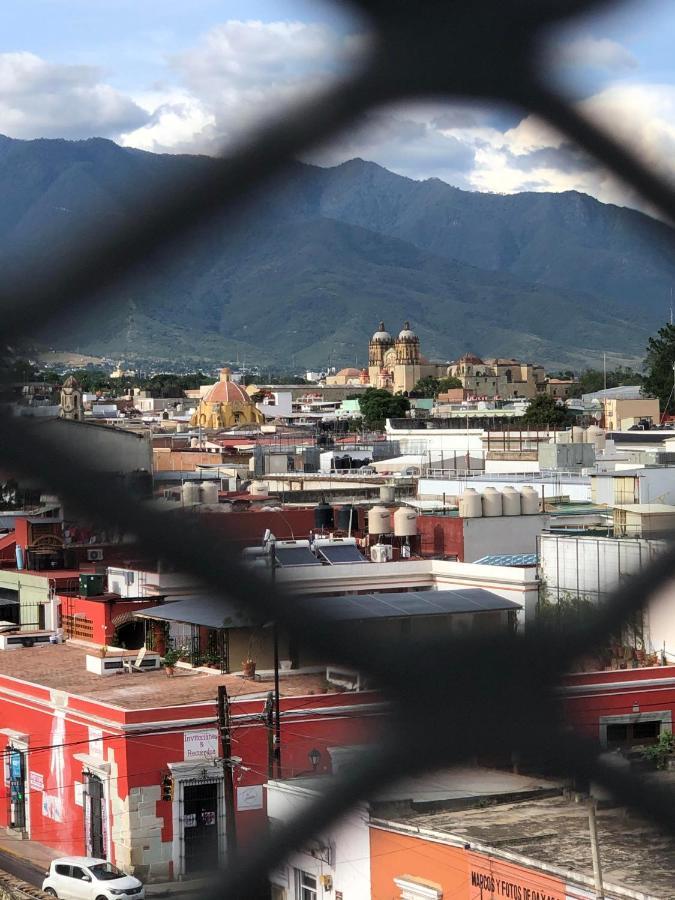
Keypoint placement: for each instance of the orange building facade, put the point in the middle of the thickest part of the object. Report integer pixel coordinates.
(408, 867)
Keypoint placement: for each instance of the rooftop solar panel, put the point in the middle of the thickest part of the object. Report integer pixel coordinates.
(342, 553)
(508, 559)
(296, 556)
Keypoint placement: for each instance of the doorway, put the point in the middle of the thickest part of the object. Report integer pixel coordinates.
(95, 837)
(200, 825)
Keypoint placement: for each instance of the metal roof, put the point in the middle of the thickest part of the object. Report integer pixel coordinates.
(411, 603)
(214, 612)
(508, 559)
(202, 609)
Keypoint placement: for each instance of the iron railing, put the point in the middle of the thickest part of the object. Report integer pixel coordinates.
(450, 698)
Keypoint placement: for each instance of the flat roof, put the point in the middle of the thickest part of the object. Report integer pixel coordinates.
(647, 509)
(62, 667)
(408, 603)
(634, 853)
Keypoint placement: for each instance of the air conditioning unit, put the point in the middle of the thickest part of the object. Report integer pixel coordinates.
(381, 552)
(94, 555)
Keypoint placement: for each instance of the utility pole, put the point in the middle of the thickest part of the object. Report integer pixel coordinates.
(595, 851)
(275, 637)
(228, 773)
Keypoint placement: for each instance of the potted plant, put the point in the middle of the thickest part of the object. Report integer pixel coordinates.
(248, 665)
(103, 652)
(171, 657)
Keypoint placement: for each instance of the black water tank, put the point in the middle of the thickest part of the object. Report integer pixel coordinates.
(323, 516)
(344, 515)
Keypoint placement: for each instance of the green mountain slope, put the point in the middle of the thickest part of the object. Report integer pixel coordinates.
(318, 262)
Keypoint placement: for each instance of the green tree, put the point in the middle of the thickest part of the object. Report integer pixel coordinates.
(448, 383)
(377, 405)
(659, 365)
(592, 380)
(426, 387)
(432, 387)
(544, 411)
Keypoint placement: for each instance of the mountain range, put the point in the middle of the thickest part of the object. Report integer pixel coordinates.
(317, 262)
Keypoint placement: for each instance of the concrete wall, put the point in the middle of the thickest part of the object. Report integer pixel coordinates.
(502, 534)
(348, 840)
(105, 448)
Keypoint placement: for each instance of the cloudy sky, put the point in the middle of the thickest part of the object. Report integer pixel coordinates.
(172, 76)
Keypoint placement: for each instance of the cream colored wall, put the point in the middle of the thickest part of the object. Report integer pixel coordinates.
(618, 410)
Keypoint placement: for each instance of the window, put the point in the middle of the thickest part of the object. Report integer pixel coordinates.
(77, 872)
(62, 870)
(306, 887)
(633, 733)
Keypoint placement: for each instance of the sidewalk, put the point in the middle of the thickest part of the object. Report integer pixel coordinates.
(30, 852)
(38, 857)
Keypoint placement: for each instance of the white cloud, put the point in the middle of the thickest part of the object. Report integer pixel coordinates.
(599, 53)
(239, 74)
(43, 99)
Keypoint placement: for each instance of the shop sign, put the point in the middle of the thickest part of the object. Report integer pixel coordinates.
(250, 797)
(200, 744)
(494, 884)
(36, 781)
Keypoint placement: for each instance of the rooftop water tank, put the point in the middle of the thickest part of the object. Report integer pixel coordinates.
(348, 518)
(510, 501)
(470, 505)
(194, 442)
(596, 436)
(492, 502)
(387, 493)
(405, 522)
(190, 493)
(379, 520)
(209, 492)
(529, 501)
(578, 434)
(323, 516)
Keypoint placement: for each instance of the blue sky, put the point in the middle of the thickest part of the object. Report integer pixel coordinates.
(173, 76)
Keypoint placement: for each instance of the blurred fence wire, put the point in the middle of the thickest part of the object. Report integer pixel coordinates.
(450, 698)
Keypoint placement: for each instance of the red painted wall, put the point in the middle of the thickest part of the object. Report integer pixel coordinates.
(589, 695)
(441, 536)
(56, 738)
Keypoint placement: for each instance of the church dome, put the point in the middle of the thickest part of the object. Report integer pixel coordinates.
(226, 391)
(350, 373)
(381, 336)
(406, 334)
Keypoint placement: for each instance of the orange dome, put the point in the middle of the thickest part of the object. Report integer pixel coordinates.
(350, 373)
(226, 391)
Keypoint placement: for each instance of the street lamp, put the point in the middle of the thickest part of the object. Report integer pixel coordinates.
(314, 758)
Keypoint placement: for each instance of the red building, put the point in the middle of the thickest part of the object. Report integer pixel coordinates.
(130, 767)
(621, 707)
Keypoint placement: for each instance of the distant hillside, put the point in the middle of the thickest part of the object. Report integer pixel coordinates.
(557, 278)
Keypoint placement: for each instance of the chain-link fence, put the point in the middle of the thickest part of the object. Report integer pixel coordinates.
(451, 698)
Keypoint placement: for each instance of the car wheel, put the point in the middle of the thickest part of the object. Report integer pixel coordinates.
(51, 892)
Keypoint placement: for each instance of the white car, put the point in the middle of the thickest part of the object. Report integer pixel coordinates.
(88, 878)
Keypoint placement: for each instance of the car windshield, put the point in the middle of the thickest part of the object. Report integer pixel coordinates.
(105, 871)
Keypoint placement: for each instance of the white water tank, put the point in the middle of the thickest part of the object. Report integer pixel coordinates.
(596, 436)
(257, 489)
(578, 434)
(379, 520)
(492, 502)
(405, 522)
(194, 442)
(387, 493)
(470, 505)
(209, 492)
(190, 493)
(510, 501)
(529, 501)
